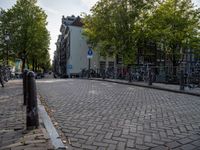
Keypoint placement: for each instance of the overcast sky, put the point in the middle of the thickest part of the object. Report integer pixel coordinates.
(55, 9)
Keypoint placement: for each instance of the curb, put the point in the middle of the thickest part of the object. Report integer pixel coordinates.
(147, 86)
(50, 128)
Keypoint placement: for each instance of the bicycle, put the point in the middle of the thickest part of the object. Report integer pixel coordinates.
(1, 76)
(5, 74)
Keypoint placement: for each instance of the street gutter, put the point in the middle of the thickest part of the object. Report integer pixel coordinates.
(148, 86)
(54, 136)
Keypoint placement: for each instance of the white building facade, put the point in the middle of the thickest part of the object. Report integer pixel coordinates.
(77, 52)
(72, 49)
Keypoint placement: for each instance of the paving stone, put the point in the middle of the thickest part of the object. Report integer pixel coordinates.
(89, 147)
(173, 144)
(139, 140)
(99, 137)
(122, 113)
(102, 148)
(121, 146)
(13, 121)
(130, 149)
(101, 144)
(76, 144)
(160, 148)
(194, 137)
(128, 137)
(188, 147)
(131, 143)
(142, 147)
(110, 141)
(147, 138)
(82, 131)
(185, 141)
(81, 136)
(196, 143)
(119, 139)
(117, 133)
(108, 135)
(112, 147)
(125, 131)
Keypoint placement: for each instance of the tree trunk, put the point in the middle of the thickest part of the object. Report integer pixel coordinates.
(27, 62)
(155, 59)
(23, 64)
(174, 62)
(155, 53)
(138, 56)
(33, 64)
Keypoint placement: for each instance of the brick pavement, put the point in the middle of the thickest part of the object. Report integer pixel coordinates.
(101, 115)
(13, 134)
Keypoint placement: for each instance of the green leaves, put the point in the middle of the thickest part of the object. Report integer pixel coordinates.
(177, 23)
(113, 27)
(26, 24)
(126, 26)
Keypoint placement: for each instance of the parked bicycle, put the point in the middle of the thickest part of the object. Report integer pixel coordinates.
(192, 80)
(5, 74)
(85, 73)
(1, 75)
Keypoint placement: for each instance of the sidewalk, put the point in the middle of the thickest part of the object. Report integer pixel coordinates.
(13, 133)
(159, 86)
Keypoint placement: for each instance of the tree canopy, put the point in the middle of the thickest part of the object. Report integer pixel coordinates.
(26, 24)
(123, 27)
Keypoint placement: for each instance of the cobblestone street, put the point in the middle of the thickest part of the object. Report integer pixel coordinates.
(11, 114)
(102, 115)
(13, 133)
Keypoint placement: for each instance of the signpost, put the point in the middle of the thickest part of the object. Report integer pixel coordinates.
(89, 56)
(69, 68)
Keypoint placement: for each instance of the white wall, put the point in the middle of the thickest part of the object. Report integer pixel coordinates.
(78, 51)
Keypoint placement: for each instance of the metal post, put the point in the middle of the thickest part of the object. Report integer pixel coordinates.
(150, 77)
(89, 68)
(25, 85)
(96, 75)
(182, 81)
(104, 74)
(130, 75)
(32, 110)
(115, 72)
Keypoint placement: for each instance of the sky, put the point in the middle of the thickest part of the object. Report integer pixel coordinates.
(55, 9)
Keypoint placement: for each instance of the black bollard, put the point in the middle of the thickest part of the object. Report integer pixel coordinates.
(25, 85)
(182, 81)
(32, 121)
(150, 77)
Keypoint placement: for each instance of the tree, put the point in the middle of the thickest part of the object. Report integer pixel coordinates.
(127, 27)
(175, 24)
(27, 28)
(112, 24)
(3, 33)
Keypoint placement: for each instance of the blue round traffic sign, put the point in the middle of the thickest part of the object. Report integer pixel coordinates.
(90, 52)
